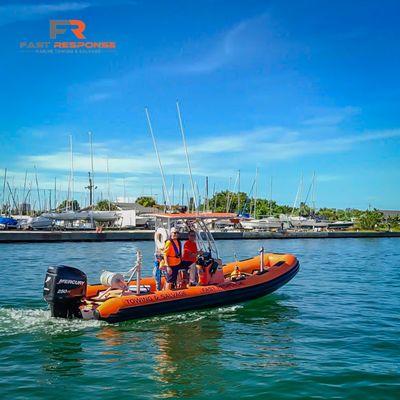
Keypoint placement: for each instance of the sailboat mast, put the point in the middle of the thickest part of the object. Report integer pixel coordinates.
(37, 189)
(206, 202)
(215, 200)
(72, 172)
(91, 167)
(187, 155)
(270, 197)
(108, 187)
(164, 186)
(256, 193)
(238, 191)
(23, 192)
(313, 193)
(123, 180)
(301, 193)
(55, 192)
(4, 188)
(173, 189)
(297, 196)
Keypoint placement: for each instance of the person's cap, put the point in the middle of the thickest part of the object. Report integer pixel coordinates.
(174, 230)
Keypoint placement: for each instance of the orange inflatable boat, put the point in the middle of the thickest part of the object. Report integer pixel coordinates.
(116, 306)
(119, 299)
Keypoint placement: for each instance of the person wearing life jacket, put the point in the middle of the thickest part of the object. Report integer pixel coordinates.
(172, 258)
(189, 258)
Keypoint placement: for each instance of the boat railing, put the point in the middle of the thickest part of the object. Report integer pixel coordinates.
(262, 262)
(136, 270)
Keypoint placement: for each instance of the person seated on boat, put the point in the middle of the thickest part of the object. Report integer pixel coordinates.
(190, 253)
(172, 258)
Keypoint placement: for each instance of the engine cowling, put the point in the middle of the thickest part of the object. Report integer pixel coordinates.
(64, 288)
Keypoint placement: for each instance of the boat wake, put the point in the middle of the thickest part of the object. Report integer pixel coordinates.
(14, 321)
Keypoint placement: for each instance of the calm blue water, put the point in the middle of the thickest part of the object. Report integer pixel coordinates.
(333, 332)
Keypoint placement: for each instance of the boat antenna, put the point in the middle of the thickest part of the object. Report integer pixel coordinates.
(158, 158)
(187, 155)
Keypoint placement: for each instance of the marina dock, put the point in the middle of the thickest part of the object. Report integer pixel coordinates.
(140, 235)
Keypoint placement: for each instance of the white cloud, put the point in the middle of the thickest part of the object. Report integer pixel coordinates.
(260, 145)
(332, 116)
(213, 156)
(245, 42)
(96, 97)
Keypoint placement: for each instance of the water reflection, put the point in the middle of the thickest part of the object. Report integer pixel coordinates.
(184, 351)
(259, 336)
(267, 310)
(63, 354)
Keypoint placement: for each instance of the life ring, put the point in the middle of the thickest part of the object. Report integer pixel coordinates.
(160, 236)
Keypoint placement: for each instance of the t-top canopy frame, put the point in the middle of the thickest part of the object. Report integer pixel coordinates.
(197, 222)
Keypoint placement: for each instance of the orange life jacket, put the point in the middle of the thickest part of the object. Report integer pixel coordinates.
(204, 274)
(173, 252)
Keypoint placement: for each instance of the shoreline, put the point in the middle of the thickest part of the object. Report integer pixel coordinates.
(147, 235)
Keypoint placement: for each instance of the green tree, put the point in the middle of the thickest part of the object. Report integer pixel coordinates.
(270, 208)
(370, 219)
(220, 200)
(105, 205)
(146, 201)
(68, 205)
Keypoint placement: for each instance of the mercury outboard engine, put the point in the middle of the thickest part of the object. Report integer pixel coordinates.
(64, 288)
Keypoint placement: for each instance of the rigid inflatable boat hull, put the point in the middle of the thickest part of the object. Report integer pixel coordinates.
(237, 292)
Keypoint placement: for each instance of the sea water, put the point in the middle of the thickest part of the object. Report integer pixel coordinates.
(332, 332)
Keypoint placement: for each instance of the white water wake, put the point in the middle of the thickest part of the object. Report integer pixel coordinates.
(15, 321)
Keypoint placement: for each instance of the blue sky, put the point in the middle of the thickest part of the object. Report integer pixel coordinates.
(288, 87)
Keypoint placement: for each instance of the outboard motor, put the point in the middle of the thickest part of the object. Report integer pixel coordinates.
(64, 288)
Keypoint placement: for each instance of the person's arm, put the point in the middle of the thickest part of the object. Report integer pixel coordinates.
(165, 253)
(186, 249)
(198, 252)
